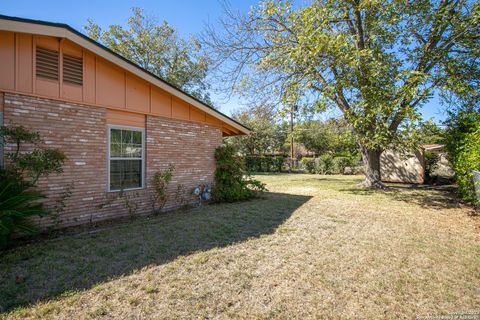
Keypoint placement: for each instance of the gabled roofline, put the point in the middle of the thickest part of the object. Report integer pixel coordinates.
(61, 30)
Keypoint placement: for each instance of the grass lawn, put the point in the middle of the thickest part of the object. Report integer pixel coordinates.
(313, 247)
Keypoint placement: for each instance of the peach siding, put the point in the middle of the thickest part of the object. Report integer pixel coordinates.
(7, 59)
(104, 84)
(125, 118)
(81, 132)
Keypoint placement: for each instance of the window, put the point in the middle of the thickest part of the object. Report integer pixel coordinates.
(46, 63)
(126, 158)
(72, 70)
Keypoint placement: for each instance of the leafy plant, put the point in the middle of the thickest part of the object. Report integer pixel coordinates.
(339, 164)
(60, 204)
(17, 204)
(18, 199)
(308, 164)
(231, 183)
(161, 180)
(463, 147)
(324, 164)
(278, 164)
(37, 163)
(18, 135)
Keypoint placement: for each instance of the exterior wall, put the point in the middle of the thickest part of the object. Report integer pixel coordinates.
(104, 83)
(1, 124)
(81, 132)
(396, 166)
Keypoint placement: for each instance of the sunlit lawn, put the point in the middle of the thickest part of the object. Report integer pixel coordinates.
(313, 247)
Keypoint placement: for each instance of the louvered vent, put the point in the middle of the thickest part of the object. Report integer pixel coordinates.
(72, 70)
(47, 63)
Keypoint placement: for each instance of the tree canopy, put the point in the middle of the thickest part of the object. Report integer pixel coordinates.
(378, 61)
(332, 136)
(268, 133)
(158, 48)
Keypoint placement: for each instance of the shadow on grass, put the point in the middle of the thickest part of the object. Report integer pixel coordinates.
(426, 196)
(48, 269)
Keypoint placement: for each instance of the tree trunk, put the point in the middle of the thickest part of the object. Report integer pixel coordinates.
(371, 163)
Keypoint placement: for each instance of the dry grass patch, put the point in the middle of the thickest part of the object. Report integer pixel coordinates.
(315, 247)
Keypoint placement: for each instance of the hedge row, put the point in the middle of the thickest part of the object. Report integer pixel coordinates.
(263, 164)
(328, 164)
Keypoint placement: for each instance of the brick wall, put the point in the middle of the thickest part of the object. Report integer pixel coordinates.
(80, 131)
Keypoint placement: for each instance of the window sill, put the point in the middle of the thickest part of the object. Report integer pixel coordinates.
(124, 190)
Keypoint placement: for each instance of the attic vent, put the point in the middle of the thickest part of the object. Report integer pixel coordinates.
(47, 63)
(72, 70)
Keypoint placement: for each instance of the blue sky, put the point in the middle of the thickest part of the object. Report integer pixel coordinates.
(187, 16)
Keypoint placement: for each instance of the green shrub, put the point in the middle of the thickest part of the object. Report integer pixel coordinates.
(327, 164)
(268, 164)
(18, 198)
(249, 162)
(308, 164)
(161, 180)
(263, 164)
(463, 147)
(18, 202)
(324, 164)
(340, 163)
(278, 164)
(230, 182)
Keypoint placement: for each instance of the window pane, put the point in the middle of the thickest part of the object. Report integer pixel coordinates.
(125, 174)
(132, 151)
(115, 150)
(125, 143)
(126, 136)
(137, 137)
(115, 136)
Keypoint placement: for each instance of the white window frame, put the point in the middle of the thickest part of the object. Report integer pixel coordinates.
(142, 130)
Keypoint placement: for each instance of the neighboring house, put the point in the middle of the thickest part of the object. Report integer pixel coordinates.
(409, 167)
(118, 124)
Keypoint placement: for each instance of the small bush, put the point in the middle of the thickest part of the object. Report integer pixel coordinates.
(268, 161)
(324, 164)
(230, 182)
(340, 163)
(308, 164)
(161, 180)
(278, 164)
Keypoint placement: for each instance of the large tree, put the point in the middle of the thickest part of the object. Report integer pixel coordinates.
(377, 61)
(268, 132)
(159, 49)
